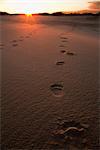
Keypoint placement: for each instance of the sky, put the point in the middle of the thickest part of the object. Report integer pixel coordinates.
(40, 6)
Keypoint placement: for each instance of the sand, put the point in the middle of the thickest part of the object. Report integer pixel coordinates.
(50, 75)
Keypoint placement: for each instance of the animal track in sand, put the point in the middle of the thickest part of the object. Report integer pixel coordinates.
(27, 37)
(70, 133)
(60, 63)
(14, 41)
(63, 51)
(64, 38)
(1, 46)
(64, 41)
(70, 53)
(14, 45)
(57, 89)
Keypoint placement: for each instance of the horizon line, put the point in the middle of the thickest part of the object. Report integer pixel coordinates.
(61, 12)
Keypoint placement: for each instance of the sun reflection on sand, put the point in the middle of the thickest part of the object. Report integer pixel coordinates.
(29, 18)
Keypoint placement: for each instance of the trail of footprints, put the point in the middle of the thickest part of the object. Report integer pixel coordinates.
(16, 42)
(21, 39)
(57, 90)
(68, 134)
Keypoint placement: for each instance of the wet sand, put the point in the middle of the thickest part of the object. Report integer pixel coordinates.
(50, 76)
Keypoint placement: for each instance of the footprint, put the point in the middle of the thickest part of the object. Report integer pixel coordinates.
(27, 37)
(1, 46)
(70, 53)
(64, 38)
(60, 63)
(14, 45)
(63, 51)
(57, 89)
(14, 41)
(71, 133)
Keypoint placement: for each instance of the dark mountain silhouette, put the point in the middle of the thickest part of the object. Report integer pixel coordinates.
(44, 14)
(4, 13)
(58, 14)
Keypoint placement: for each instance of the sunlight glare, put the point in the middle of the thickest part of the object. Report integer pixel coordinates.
(28, 15)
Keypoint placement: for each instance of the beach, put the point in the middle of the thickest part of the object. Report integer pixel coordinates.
(50, 83)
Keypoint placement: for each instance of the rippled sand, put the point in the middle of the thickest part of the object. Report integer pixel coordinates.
(49, 85)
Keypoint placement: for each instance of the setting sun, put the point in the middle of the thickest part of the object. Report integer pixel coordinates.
(28, 15)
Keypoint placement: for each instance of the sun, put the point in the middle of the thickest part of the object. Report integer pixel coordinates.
(28, 15)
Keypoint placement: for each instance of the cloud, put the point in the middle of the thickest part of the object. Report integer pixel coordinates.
(94, 5)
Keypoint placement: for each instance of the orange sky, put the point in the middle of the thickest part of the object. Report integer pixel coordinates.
(38, 6)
